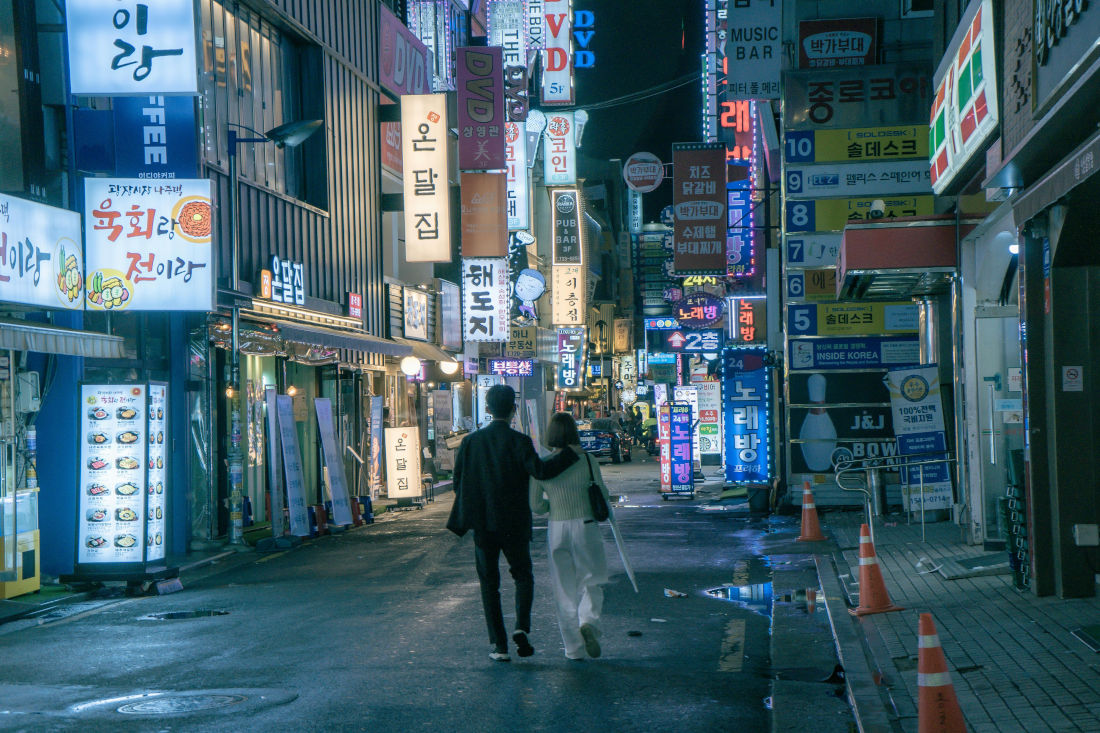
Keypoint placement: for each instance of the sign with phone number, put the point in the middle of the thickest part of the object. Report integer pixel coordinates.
(856, 144)
(845, 319)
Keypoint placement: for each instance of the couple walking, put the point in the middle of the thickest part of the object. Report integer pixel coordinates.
(498, 479)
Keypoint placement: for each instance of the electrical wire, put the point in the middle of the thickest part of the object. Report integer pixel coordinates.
(641, 94)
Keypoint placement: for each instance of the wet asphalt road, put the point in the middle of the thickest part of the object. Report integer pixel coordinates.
(381, 629)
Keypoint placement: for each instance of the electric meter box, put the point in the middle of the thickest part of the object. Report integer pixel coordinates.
(27, 394)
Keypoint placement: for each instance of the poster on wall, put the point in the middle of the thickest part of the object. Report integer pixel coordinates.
(41, 260)
(148, 244)
(403, 463)
(485, 299)
(376, 437)
(334, 462)
(917, 408)
(292, 467)
(746, 418)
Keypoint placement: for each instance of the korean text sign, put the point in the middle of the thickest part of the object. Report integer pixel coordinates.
(287, 283)
(480, 108)
(557, 67)
(745, 402)
(681, 460)
(566, 229)
(571, 344)
(148, 244)
(559, 151)
(427, 193)
(484, 223)
(126, 49)
(917, 410)
(754, 46)
(569, 295)
(518, 210)
(699, 201)
(41, 262)
(485, 294)
(403, 463)
(512, 367)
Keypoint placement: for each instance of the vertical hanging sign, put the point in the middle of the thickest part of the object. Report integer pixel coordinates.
(745, 398)
(559, 151)
(427, 193)
(571, 344)
(515, 151)
(334, 462)
(485, 294)
(484, 220)
(681, 459)
(480, 108)
(568, 277)
(699, 203)
(557, 66)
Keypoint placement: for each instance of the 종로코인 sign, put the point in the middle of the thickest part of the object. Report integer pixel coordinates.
(849, 96)
(41, 261)
(559, 150)
(148, 244)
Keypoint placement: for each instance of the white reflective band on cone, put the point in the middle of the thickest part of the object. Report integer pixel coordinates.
(868, 560)
(864, 538)
(933, 679)
(808, 506)
(928, 641)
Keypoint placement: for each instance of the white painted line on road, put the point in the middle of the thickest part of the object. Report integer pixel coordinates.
(733, 647)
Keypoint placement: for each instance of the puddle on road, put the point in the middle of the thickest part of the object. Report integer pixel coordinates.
(172, 615)
(756, 597)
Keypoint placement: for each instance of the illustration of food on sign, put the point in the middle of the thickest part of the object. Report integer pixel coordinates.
(98, 413)
(69, 280)
(97, 464)
(126, 413)
(125, 540)
(127, 462)
(98, 438)
(125, 514)
(97, 489)
(96, 515)
(95, 542)
(109, 292)
(126, 489)
(128, 437)
(194, 218)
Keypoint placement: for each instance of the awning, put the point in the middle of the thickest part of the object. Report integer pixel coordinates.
(333, 339)
(425, 350)
(898, 259)
(47, 339)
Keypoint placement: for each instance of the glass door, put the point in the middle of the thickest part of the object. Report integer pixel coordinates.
(7, 468)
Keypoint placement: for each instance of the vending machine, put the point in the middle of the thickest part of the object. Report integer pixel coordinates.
(123, 491)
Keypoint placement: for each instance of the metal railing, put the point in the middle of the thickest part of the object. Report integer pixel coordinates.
(873, 488)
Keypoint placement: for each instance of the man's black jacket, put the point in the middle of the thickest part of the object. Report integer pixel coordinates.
(491, 476)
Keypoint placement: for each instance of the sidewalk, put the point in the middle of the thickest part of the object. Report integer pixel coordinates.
(1014, 662)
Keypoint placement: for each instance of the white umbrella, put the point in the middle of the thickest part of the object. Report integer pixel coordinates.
(622, 552)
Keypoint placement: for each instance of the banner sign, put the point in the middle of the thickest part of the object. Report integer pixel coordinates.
(833, 214)
(427, 192)
(571, 346)
(919, 426)
(710, 417)
(443, 423)
(825, 44)
(143, 49)
(663, 415)
(816, 249)
(415, 314)
(450, 315)
(512, 367)
(748, 321)
(517, 181)
(689, 395)
(842, 319)
(709, 340)
(559, 150)
(485, 293)
(403, 62)
(155, 137)
(754, 46)
(681, 456)
(403, 463)
(274, 464)
(850, 96)
(149, 244)
(856, 145)
(480, 108)
(569, 295)
(377, 403)
(566, 227)
(746, 418)
(41, 260)
(853, 353)
(557, 56)
(292, 468)
(521, 343)
(484, 220)
(699, 202)
(889, 178)
(334, 462)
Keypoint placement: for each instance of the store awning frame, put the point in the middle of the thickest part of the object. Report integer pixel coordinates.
(48, 339)
(427, 350)
(333, 339)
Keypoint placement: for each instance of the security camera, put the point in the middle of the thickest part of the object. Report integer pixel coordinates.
(878, 209)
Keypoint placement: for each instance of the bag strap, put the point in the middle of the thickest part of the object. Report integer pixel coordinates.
(588, 459)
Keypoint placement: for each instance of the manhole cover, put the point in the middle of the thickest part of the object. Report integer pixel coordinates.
(171, 615)
(169, 704)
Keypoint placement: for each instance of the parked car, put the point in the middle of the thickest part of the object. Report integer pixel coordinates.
(604, 437)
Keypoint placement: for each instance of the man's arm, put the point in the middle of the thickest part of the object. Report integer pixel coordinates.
(549, 468)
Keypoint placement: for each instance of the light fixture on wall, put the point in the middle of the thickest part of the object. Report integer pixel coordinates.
(410, 366)
(292, 390)
(449, 367)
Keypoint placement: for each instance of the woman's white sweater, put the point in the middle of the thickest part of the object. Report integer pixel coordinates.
(566, 495)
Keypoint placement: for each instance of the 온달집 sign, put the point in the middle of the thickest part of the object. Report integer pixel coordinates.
(427, 194)
(148, 244)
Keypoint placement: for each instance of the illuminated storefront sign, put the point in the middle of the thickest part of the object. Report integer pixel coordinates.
(148, 245)
(403, 463)
(813, 249)
(403, 63)
(681, 457)
(566, 231)
(748, 321)
(699, 310)
(754, 46)
(571, 346)
(699, 201)
(512, 367)
(741, 234)
(584, 28)
(284, 282)
(811, 284)
(569, 296)
(521, 343)
(427, 193)
(559, 150)
(843, 319)
(709, 340)
(856, 145)
(745, 389)
(480, 108)
(484, 217)
(485, 298)
(41, 260)
(557, 67)
(832, 42)
(850, 96)
(517, 187)
(825, 215)
(885, 178)
(127, 50)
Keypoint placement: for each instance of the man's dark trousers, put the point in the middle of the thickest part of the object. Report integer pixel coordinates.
(488, 547)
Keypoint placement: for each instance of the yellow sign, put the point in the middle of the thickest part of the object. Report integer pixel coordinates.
(829, 215)
(820, 284)
(845, 319)
(521, 343)
(568, 295)
(870, 143)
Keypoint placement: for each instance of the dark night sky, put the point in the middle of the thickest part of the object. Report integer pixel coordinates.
(641, 44)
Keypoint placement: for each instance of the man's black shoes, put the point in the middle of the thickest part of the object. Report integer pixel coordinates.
(523, 644)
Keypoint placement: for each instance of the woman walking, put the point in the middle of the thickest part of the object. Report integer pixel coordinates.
(578, 565)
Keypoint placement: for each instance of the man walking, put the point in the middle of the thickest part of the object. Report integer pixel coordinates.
(491, 474)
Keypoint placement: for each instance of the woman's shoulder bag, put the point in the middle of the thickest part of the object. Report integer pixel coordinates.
(600, 510)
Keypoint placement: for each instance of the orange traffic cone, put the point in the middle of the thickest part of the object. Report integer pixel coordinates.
(811, 600)
(938, 708)
(873, 597)
(811, 528)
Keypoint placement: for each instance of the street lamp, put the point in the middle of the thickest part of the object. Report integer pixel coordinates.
(292, 134)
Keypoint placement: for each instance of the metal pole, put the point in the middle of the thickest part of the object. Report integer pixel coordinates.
(236, 460)
(921, 466)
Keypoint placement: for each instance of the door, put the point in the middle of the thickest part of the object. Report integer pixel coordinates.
(8, 453)
(1000, 411)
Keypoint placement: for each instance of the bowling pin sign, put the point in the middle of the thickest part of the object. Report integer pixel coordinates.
(818, 432)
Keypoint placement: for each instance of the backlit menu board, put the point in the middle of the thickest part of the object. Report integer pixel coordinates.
(123, 474)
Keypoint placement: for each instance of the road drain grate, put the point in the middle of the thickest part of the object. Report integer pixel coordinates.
(170, 704)
(173, 615)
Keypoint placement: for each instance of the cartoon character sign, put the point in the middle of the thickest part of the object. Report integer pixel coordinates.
(529, 287)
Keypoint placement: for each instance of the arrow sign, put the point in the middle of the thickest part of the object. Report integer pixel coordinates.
(676, 339)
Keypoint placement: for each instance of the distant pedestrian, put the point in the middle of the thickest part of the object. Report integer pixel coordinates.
(491, 474)
(578, 564)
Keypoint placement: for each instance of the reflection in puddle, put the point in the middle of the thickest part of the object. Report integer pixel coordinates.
(756, 597)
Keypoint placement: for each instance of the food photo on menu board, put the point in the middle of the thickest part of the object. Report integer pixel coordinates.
(112, 504)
